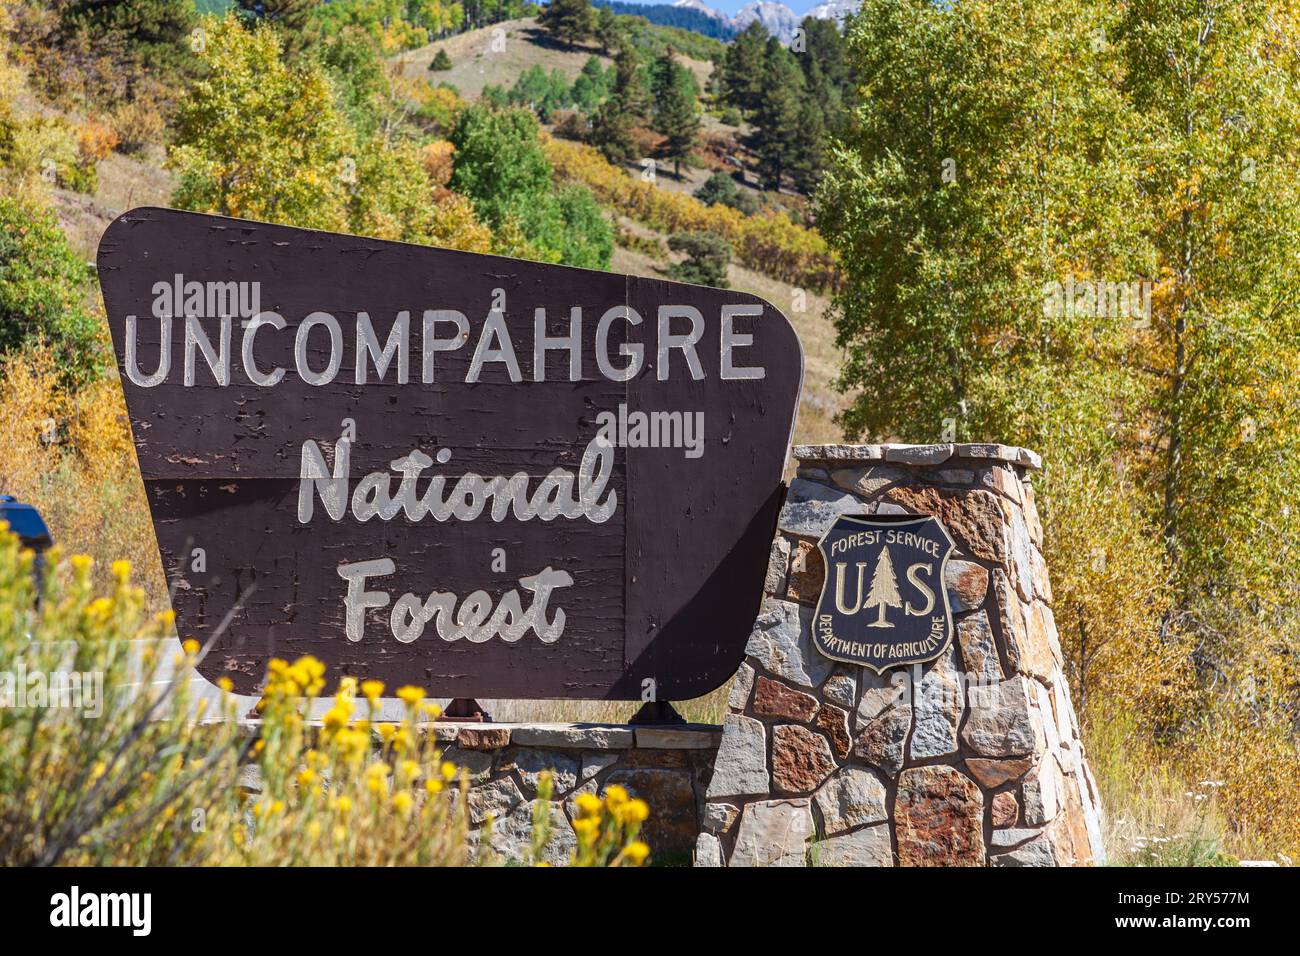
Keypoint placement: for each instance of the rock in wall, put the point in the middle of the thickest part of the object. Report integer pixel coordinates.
(971, 759)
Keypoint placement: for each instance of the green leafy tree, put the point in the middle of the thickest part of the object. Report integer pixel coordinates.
(44, 286)
(356, 69)
(570, 21)
(259, 139)
(499, 162)
(501, 168)
(541, 91)
(587, 238)
(707, 256)
(676, 109)
(440, 61)
(436, 17)
(591, 86)
(1009, 165)
(388, 22)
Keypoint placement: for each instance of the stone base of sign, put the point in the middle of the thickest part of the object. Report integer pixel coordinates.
(972, 759)
(668, 767)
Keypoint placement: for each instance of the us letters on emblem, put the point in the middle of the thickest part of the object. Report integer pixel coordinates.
(882, 603)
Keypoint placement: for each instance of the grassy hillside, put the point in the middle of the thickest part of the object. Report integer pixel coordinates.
(501, 53)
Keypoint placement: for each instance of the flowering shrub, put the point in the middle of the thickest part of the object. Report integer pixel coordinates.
(767, 242)
(90, 774)
(134, 769)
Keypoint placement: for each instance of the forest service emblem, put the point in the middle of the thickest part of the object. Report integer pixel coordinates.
(883, 603)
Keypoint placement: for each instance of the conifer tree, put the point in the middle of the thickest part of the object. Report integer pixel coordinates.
(676, 110)
(626, 106)
(570, 21)
(778, 138)
(742, 68)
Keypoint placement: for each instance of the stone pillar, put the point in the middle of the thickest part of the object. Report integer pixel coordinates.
(972, 759)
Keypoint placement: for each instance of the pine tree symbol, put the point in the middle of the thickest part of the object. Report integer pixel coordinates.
(884, 589)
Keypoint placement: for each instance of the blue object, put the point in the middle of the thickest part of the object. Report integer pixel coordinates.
(26, 522)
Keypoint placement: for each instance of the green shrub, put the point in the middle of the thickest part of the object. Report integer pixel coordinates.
(707, 256)
(44, 285)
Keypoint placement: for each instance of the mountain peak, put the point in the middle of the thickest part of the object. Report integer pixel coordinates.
(699, 6)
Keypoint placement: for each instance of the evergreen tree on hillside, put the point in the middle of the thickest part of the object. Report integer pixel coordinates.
(288, 16)
(285, 14)
(827, 74)
(779, 139)
(808, 164)
(676, 110)
(157, 30)
(742, 68)
(626, 107)
(824, 48)
(605, 29)
(567, 20)
(707, 255)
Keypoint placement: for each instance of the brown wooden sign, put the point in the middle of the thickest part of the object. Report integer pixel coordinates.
(485, 476)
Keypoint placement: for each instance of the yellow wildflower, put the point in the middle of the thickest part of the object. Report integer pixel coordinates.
(373, 689)
(100, 609)
(410, 695)
(403, 802)
(636, 852)
(635, 811)
(589, 805)
(337, 716)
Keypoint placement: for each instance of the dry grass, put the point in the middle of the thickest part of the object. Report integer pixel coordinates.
(1154, 815)
(72, 457)
(475, 64)
(820, 402)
